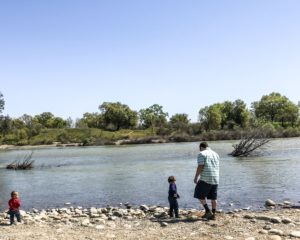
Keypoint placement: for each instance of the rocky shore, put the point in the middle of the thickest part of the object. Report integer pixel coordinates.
(276, 222)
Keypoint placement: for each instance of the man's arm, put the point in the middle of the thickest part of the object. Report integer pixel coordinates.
(198, 172)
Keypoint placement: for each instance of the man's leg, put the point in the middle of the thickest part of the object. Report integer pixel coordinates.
(204, 204)
(214, 206)
(208, 214)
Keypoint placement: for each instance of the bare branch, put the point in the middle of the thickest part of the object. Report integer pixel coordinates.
(250, 143)
(25, 164)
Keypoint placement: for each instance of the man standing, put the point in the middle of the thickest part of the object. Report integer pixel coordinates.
(207, 186)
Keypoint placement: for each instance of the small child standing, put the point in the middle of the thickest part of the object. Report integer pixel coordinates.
(14, 207)
(173, 195)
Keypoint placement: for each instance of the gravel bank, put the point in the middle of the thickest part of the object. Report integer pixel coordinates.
(152, 223)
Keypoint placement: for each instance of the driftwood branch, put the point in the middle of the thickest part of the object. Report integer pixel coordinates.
(25, 164)
(249, 143)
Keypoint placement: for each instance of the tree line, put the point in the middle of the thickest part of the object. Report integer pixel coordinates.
(273, 110)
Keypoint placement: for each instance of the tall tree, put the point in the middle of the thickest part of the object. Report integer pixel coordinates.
(92, 120)
(2, 102)
(45, 119)
(276, 108)
(117, 115)
(211, 116)
(179, 121)
(5, 124)
(153, 116)
(33, 127)
(234, 114)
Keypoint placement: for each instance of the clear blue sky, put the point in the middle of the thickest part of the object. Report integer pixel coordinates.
(69, 56)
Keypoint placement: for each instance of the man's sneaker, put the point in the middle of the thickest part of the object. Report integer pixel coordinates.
(208, 215)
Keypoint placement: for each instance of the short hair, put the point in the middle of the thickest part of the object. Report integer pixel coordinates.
(204, 145)
(171, 179)
(13, 193)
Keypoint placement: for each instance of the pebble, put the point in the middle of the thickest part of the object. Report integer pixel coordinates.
(275, 220)
(99, 227)
(270, 203)
(228, 238)
(276, 232)
(164, 224)
(286, 220)
(263, 231)
(267, 227)
(295, 234)
(274, 237)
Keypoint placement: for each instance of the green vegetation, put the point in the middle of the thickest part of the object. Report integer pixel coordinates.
(274, 113)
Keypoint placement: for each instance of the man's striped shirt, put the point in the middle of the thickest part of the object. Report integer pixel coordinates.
(210, 160)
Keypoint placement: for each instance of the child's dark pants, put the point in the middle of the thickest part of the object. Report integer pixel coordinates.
(173, 206)
(12, 214)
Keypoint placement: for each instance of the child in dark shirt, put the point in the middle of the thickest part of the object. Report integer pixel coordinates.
(173, 195)
(14, 207)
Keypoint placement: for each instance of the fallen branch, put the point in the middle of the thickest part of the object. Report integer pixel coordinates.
(250, 143)
(25, 164)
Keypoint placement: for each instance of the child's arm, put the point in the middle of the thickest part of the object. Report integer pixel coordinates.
(17, 203)
(174, 190)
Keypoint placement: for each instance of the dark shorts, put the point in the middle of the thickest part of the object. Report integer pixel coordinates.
(204, 190)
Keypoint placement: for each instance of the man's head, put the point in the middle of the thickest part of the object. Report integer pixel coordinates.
(203, 146)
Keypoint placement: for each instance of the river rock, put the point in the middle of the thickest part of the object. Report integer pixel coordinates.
(264, 218)
(270, 203)
(93, 210)
(263, 231)
(99, 227)
(85, 222)
(78, 211)
(295, 234)
(276, 232)
(100, 220)
(275, 220)
(228, 238)
(164, 224)
(274, 237)
(286, 220)
(144, 207)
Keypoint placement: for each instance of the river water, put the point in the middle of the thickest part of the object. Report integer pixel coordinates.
(137, 174)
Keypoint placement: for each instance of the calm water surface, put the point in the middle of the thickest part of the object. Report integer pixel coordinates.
(98, 176)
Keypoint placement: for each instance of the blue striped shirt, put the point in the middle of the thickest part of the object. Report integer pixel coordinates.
(210, 160)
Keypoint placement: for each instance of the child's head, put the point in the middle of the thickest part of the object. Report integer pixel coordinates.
(171, 179)
(14, 194)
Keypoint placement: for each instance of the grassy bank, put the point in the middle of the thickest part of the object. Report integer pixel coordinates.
(94, 136)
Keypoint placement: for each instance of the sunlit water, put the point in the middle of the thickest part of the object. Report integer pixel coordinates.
(137, 174)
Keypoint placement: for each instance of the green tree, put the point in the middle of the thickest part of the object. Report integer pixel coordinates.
(117, 115)
(45, 119)
(234, 114)
(57, 122)
(211, 116)
(92, 120)
(5, 124)
(179, 121)
(276, 108)
(153, 116)
(33, 127)
(2, 102)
